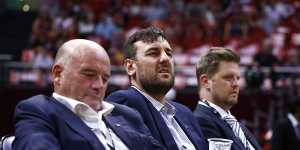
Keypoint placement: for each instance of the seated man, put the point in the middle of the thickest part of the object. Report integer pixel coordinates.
(286, 132)
(150, 67)
(218, 74)
(75, 116)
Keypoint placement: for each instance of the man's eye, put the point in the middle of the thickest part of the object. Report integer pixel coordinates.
(228, 78)
(105, 79)
(89, 74)
(170, 54)
(152, 54)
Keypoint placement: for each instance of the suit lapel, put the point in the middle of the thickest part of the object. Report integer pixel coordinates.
(250, 137)
(162, 127)
(230, 133)
(77, 124)
(163, 132)
(185, 125)
(120, 128)
(224, 125)
(148, 112)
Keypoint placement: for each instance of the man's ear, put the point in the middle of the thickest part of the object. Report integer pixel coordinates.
(130, 66)
(56, 73)
(204, 81)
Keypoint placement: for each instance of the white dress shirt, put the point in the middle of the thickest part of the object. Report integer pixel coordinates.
(167, 112)
(94, 121)
(294, 122)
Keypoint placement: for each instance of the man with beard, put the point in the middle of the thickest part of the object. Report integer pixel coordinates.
(218, 74)
(75, 117)
(150, 67)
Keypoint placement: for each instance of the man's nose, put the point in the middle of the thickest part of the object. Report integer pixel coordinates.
(164, 56)
(235, 82)
(98, 82)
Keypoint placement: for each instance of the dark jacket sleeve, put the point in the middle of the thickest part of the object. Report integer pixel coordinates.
(185, 113)
(278, 137)
(136, 121)
(209, 128)
(33, 129)
(118, 97)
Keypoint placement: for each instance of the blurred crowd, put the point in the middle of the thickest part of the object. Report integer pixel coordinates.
(263, 32)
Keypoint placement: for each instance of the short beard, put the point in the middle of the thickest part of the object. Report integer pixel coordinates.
(156, 86)
(224, 103)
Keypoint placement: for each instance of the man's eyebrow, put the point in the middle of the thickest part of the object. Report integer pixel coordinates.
(153, 48)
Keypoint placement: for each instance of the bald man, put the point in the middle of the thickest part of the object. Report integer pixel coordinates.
(75, 116)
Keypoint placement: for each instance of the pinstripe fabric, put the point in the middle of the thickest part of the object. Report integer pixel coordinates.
(235, 125)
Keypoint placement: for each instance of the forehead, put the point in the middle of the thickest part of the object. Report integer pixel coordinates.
(159, 43)
(226, 67)
(93, 59)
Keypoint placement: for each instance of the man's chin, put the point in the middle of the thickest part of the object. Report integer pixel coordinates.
(159, 87)
(233, 101)
(93, 102)
(95, 105)
(164, 76)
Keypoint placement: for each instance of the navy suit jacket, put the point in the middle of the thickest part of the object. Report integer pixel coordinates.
(213, 126)
(284, 136)
(155, 122)
(44, 123)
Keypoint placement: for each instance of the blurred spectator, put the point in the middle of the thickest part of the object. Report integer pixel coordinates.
(155, 10)
(40, 28)
(27, 56)
(293, 56)
(51, 6)
(275, 11)
(86, 25)
(43, 59)
(286, 134)
(254, 77)
(264, 57)
(106, 26)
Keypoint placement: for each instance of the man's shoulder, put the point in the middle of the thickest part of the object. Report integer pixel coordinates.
(123, 109)
(182, 111)
(202, 109)
(204, 113)
(120, 107)
(126, 112)
(37, 100)
(180, 107)
(125, 92)
(284, 123)
(127, 97)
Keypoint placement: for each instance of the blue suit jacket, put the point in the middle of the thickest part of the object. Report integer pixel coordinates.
(155, 122)
(213, 126)
(44, 123)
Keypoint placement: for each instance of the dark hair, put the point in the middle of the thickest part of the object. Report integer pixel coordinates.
(147, 35)
(209, 62)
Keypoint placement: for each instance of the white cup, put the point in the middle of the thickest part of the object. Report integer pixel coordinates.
(219, 144)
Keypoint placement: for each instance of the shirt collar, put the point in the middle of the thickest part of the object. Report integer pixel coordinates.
(107, 108)
(293, 119)
(168, 108)
(83, 110)
(221, 111)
